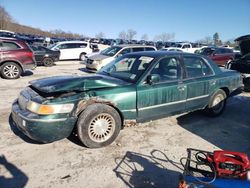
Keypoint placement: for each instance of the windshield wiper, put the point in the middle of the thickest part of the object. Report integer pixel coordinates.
(106, 72)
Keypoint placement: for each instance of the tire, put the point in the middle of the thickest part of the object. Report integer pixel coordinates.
(48, 62)
(228, 64)
(10, 70)
(216, 104)
(82, 56)
(98, 125)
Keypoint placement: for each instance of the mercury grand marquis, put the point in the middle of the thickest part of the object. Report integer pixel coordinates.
(136, 87)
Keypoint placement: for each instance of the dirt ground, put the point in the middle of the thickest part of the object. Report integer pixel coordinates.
(147, 155)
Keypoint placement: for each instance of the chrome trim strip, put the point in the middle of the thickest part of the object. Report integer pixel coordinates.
(130, 110)
(41, 120)
(200, 97)
(160, 105)
(171, 103)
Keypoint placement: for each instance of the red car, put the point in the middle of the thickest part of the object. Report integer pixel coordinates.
(219, 55)
(15, 58)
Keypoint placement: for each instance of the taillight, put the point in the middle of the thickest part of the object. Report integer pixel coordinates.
(29, 54)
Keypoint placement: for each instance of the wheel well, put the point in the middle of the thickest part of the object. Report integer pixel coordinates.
(16, 62)
(226, 90)
(109, 104)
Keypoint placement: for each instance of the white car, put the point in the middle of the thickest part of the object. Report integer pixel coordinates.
(97, 61)
(185, 47)
(72, 49)
(172, 49)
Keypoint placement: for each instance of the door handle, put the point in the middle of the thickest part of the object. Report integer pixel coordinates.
(182, 87)
(212, 82)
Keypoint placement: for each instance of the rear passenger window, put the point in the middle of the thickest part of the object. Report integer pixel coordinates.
(196, 67)
(149, 49)
(137, 49)
(125, 51)
(9, 46)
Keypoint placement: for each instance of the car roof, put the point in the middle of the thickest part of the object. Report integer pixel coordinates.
(133, 45)
(71, 41)
(156, 54)
(245, 37)
(9, 39)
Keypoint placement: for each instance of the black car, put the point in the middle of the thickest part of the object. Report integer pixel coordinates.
(45, 56)
(242, 63)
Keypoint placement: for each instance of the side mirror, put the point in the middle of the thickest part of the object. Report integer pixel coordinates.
(119, 55)
(153, 78)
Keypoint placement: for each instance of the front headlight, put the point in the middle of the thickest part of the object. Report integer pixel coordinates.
(98, 62)
(42, 109)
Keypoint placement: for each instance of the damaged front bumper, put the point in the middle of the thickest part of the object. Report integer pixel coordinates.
(42, 128)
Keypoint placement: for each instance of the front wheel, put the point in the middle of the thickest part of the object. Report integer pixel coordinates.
(98, 125)
(10, 70)
(216, 104)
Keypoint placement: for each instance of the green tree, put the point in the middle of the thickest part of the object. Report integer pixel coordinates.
(216, 38)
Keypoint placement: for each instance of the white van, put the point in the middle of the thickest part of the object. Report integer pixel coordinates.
(97, 61)
(72, 49)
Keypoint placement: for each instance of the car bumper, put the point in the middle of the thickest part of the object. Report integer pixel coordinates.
(30, 66)
(93, 66)
(237, 91)
(42, 128)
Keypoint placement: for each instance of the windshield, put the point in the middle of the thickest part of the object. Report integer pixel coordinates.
(128, 68)
(51, 46)
(206, 51)
(178, 45)
(111, 51)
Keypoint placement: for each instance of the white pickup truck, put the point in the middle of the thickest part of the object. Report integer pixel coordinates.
(185, 47)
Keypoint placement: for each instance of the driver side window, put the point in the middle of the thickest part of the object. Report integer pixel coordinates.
(168, 69)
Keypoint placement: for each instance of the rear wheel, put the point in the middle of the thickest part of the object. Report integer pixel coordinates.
(98, 125)
(216, 104)
(10, 70)
(48, 62)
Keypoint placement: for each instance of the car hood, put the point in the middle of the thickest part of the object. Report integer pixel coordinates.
(75, 83)
(98, 57)
(244, 44)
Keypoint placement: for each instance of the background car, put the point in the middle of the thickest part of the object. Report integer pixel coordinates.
(45, 56)
(97, 61)
(15, 58)
(172, 49)
(242, 62)
(219, 55)
(72, 49)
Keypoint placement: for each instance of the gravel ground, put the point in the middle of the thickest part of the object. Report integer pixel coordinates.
(146, 155)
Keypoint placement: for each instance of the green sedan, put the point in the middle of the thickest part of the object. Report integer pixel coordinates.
(136, 87)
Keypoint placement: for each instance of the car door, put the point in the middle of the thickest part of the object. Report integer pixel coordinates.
(39, 53)
(220, 56)
(63, 51)
(198, 79)
(164, 97)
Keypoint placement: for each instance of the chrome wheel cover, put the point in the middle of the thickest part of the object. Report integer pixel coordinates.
(10, 71)
(101, 127)
(48, 61)
(218, 103)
